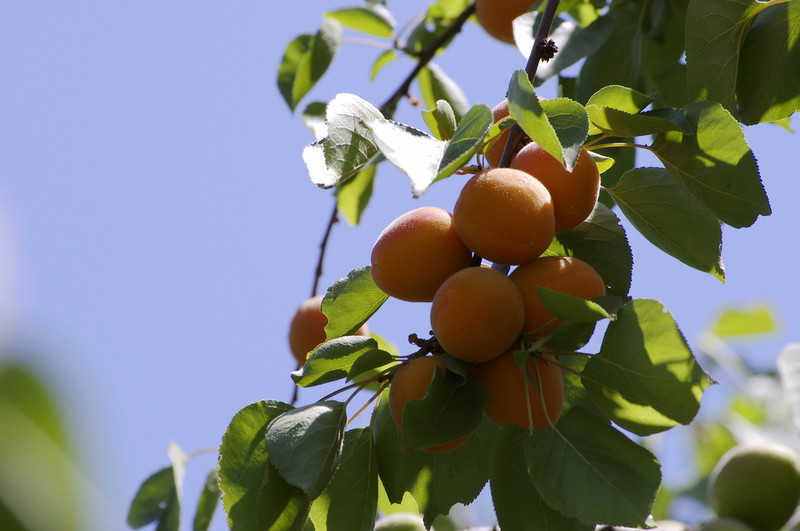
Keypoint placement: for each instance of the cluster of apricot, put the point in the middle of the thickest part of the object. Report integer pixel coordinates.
(480, 315)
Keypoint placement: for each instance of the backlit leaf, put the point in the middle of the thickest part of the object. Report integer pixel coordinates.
(372, 19)
(305, 443)
(746, 321)
(156, 501)
(525, 108)
(332, 360)
(571, 308)
(586, 469)
(441, 120)
(645, 377)
(435, 85)
(350, 301)
(207, 504)
(715, 165)
(353, 195)
(670, 219)
(305, 60)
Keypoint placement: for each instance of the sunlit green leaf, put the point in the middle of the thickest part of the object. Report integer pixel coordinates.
(350, 501)
(305, 60)
(383, 59)
(353, 195)
(435, 85)
(305, 444)
(586, 469)
(255, 496)
(744, 322)
(670, 219)
(372, 19)
(525, 108)
(645, 377)
(332, 360)
(715, 165)
(571, 124)
(441, 120)
(350, 301)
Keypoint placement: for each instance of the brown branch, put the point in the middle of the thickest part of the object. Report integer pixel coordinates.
(323, 246)
(541, 49)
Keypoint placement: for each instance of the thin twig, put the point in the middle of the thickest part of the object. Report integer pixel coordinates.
(539, 47)
(322, 246)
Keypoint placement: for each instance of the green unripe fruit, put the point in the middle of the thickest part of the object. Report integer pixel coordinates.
(400, 522)
(725, 524)
(757, 484)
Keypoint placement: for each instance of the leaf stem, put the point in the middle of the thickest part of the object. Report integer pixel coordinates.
(534, 59)
(620, 144)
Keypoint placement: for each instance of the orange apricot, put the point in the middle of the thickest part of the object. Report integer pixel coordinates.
(307, 329)
(564, 274)
(495, 16)
(477, 314)
(411, 382)
(506, 384)
(416, 253)
(574, 193)
(494, 151)
(505, 216)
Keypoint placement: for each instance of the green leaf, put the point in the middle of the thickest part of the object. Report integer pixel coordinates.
(517, 504)
(255, 496)
(441, 120)
(370, 364)
(372, 19)
(586, 469)
(351, 499)
(305, 60)
(670, 219)
(383, 59)
(525, 108)
(397, 467)
(771, 58)
(350, 301)
(571, 308)
(425, 159)
(574, 43)
(156, 501)
(435, 85)
(735, 322)
(457, 476)
(616, 97)
(446, 413)
(332, 360)
(571, 124)
(600, 241)
(353, 195)
(305, 443)
(209, 499)
(715, 165)
(715, 31)
(645, 377)
(617, 111)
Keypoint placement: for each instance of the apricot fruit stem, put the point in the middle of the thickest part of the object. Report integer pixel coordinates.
(375, 395)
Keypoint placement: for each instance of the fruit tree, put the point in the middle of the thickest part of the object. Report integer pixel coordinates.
(540, 376)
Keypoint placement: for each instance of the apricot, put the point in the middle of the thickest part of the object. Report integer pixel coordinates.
(307, 329)
(416, 253)
(495, 16)
(506, 384)
(411, 382)
(758, 484)
(564, 274)
(505, 216)
(477, 314)
(574, 193)
(494, 151)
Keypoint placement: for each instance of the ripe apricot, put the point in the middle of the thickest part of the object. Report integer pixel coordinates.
(506, 384)
(574, 193)
(559, 273)
(411, 382)
(495, 16)
(307, 329)
(477, 314)
(505, 216)
(416, 253)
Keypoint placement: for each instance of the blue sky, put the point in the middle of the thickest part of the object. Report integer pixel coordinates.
(158, 227)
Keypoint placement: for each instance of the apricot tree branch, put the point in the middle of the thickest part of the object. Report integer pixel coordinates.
(542, 49)
(322, 246)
